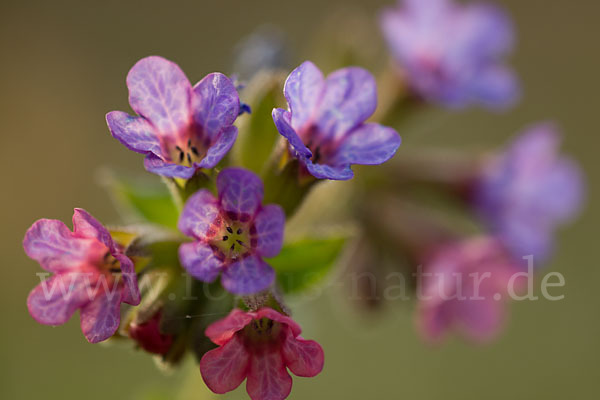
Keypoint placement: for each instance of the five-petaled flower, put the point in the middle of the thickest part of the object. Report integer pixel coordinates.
(451, 54)
(180, 128)
(233, 232)
(528, 190)
(90, 273)
(464, 285)
(258, 346)
(325, 124)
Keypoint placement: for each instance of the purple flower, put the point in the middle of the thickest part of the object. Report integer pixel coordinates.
(180, 129)
(525, 192)
(87, 266)
(451, 54)
(233, 233)
(463, 286)
(325, 123)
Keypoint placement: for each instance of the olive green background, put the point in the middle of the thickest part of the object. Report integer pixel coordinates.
(63, 67)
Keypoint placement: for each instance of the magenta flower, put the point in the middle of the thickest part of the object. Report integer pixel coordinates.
(233, 233)
(464, 286)
(149, 337)
(180, 128)
(87, 266)
(258, 346)
(524, 193)
(451, 54)
(325, 125)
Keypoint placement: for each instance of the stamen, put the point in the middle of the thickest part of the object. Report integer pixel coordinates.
(180, 156)
(232, 247)
(195, 151)
(229, 229)
(225, 238)
(178, 149)
(240, 242)
(189, 158)
(189, 143)
(239, 231)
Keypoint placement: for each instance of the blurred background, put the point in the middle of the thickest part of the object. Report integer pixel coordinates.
(63, 67)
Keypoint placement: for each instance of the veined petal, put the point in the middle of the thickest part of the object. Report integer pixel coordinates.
(223, 369)
(216, 104)
(86, 226)
(135, 133)
(199, 260)
(240, 192)
(269, 224)
(219, 148)
(302, 357)
(101, 317)
(349, 98)
(267, 377)
(200, 216)
(303, 90)
(322, 171)
(222, 330)
(158, 166)
(369, 144)
(160, 92)
(54, 300)
(247, 276)
(282, 121)
(54, 246)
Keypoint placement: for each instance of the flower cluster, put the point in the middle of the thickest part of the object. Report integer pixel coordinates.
(211, 243)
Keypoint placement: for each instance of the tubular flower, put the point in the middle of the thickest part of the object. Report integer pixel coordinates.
(90, 274)
(451, 54)
(233, 233)
(527, 191)
(464, 285)
(180, 128)
(258, 346)
(325, 124)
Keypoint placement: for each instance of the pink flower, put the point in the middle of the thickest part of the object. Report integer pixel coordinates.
(463, 286)
(90, 274)
(148, 336)
(258, 346)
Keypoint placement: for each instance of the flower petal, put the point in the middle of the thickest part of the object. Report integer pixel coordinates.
(135, 133)
(160, 92)
(222, 330)
(269, 224)
(100, 319)
(216, 104)
(158, 166)
(302, 357)
(303, 90)
(54, 300)
(369, 144)
(496, 87)
(86, 226)
(480, 320)
(322, 171)
(282, 122)
(199, 260)
(131, 291)
(349, 98)
(219, 148)
(200, 215)
(225, 368)
(267, 377)
(240, 192)
(247, 276)
(54, 246)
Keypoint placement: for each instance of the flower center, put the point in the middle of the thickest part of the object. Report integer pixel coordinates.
(262, 330)
(233, 241)
(319, 146)
(188, 153)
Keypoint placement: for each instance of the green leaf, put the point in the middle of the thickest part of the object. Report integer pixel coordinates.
(303, 264)
(257, 132)
(141, 199)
